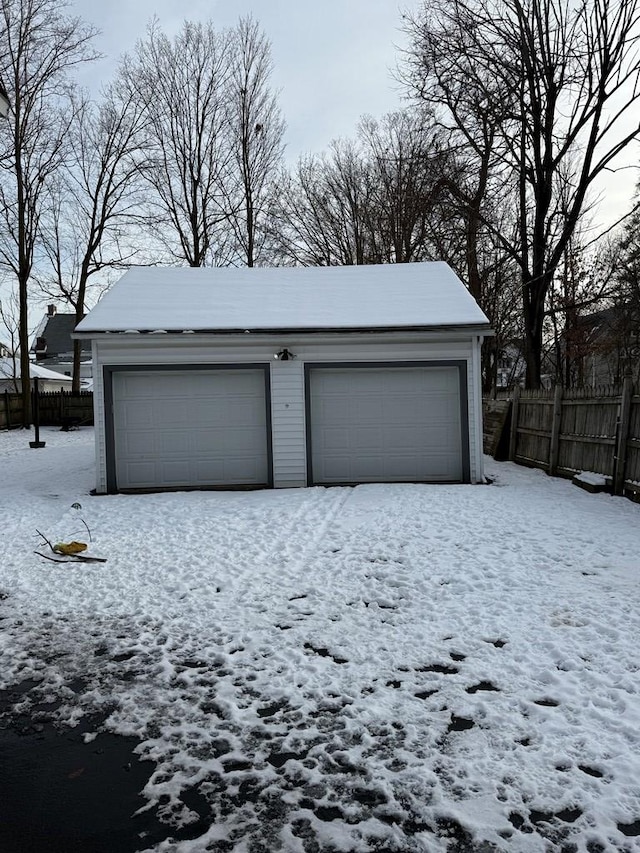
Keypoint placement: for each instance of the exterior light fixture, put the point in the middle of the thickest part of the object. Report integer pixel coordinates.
(284, 355)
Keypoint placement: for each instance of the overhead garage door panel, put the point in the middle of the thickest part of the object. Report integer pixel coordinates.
(190, 428)
(377, 424)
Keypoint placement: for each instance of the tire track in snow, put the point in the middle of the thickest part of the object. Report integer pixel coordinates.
(297, 578)
(281, 560)
(319, 523)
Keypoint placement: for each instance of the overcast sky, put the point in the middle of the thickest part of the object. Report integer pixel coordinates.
(333, 63)
(332, 58)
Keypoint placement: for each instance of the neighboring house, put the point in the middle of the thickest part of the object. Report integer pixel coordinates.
(510, 369)
(211, 377)
(5, 352)
(48, 380)
(53, 344)
(605, 344)
(598, 348)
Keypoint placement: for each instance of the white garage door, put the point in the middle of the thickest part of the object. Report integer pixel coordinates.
(193, 428)
(385, 424)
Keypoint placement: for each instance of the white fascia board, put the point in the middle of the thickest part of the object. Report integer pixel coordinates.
(224, 338)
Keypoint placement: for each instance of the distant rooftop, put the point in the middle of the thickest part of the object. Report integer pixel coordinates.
(7, 371)
(56, 330)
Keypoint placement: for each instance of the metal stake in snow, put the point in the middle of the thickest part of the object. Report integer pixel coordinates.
(36, 415)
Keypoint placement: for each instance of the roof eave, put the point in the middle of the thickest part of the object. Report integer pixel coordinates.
(471, 328)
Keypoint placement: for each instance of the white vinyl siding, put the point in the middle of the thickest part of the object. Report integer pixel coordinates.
(287, 379)
(288, 423)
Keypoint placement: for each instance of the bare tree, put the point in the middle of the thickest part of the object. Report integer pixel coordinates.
(469, 104)
(627, 291)
(10, 322)
(181, 85)
(568, 83)
(39, 46)
(622, 340)
(94, 203)
(256, 130)
(324, 207)
(408, 169)
(366, 201)
(581, 290)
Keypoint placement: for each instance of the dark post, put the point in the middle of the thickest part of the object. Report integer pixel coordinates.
(36, 415)
(554, 446)
(624, 422)
(513, 438)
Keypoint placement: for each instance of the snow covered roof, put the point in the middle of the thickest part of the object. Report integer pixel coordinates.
(388, 296)
(7, 371)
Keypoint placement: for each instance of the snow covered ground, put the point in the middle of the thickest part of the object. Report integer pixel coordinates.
(388, 667)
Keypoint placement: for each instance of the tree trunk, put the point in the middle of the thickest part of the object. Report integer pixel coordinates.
(77, 356)
(23, 337)
(533, 296)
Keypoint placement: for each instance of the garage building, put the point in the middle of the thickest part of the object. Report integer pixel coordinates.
(286, 377)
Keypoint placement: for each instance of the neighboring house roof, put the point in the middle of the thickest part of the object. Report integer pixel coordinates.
(389, 296)
(56, 330)
(7, 372)
(605, 331)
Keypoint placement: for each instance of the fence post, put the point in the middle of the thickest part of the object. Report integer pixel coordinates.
(554, 445)
(7, 409)
(624, 423)
(513, 436)
(36, 414)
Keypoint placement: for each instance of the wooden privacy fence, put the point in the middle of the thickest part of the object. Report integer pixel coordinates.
(57, 408)
(566, 432)
(10, 410)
